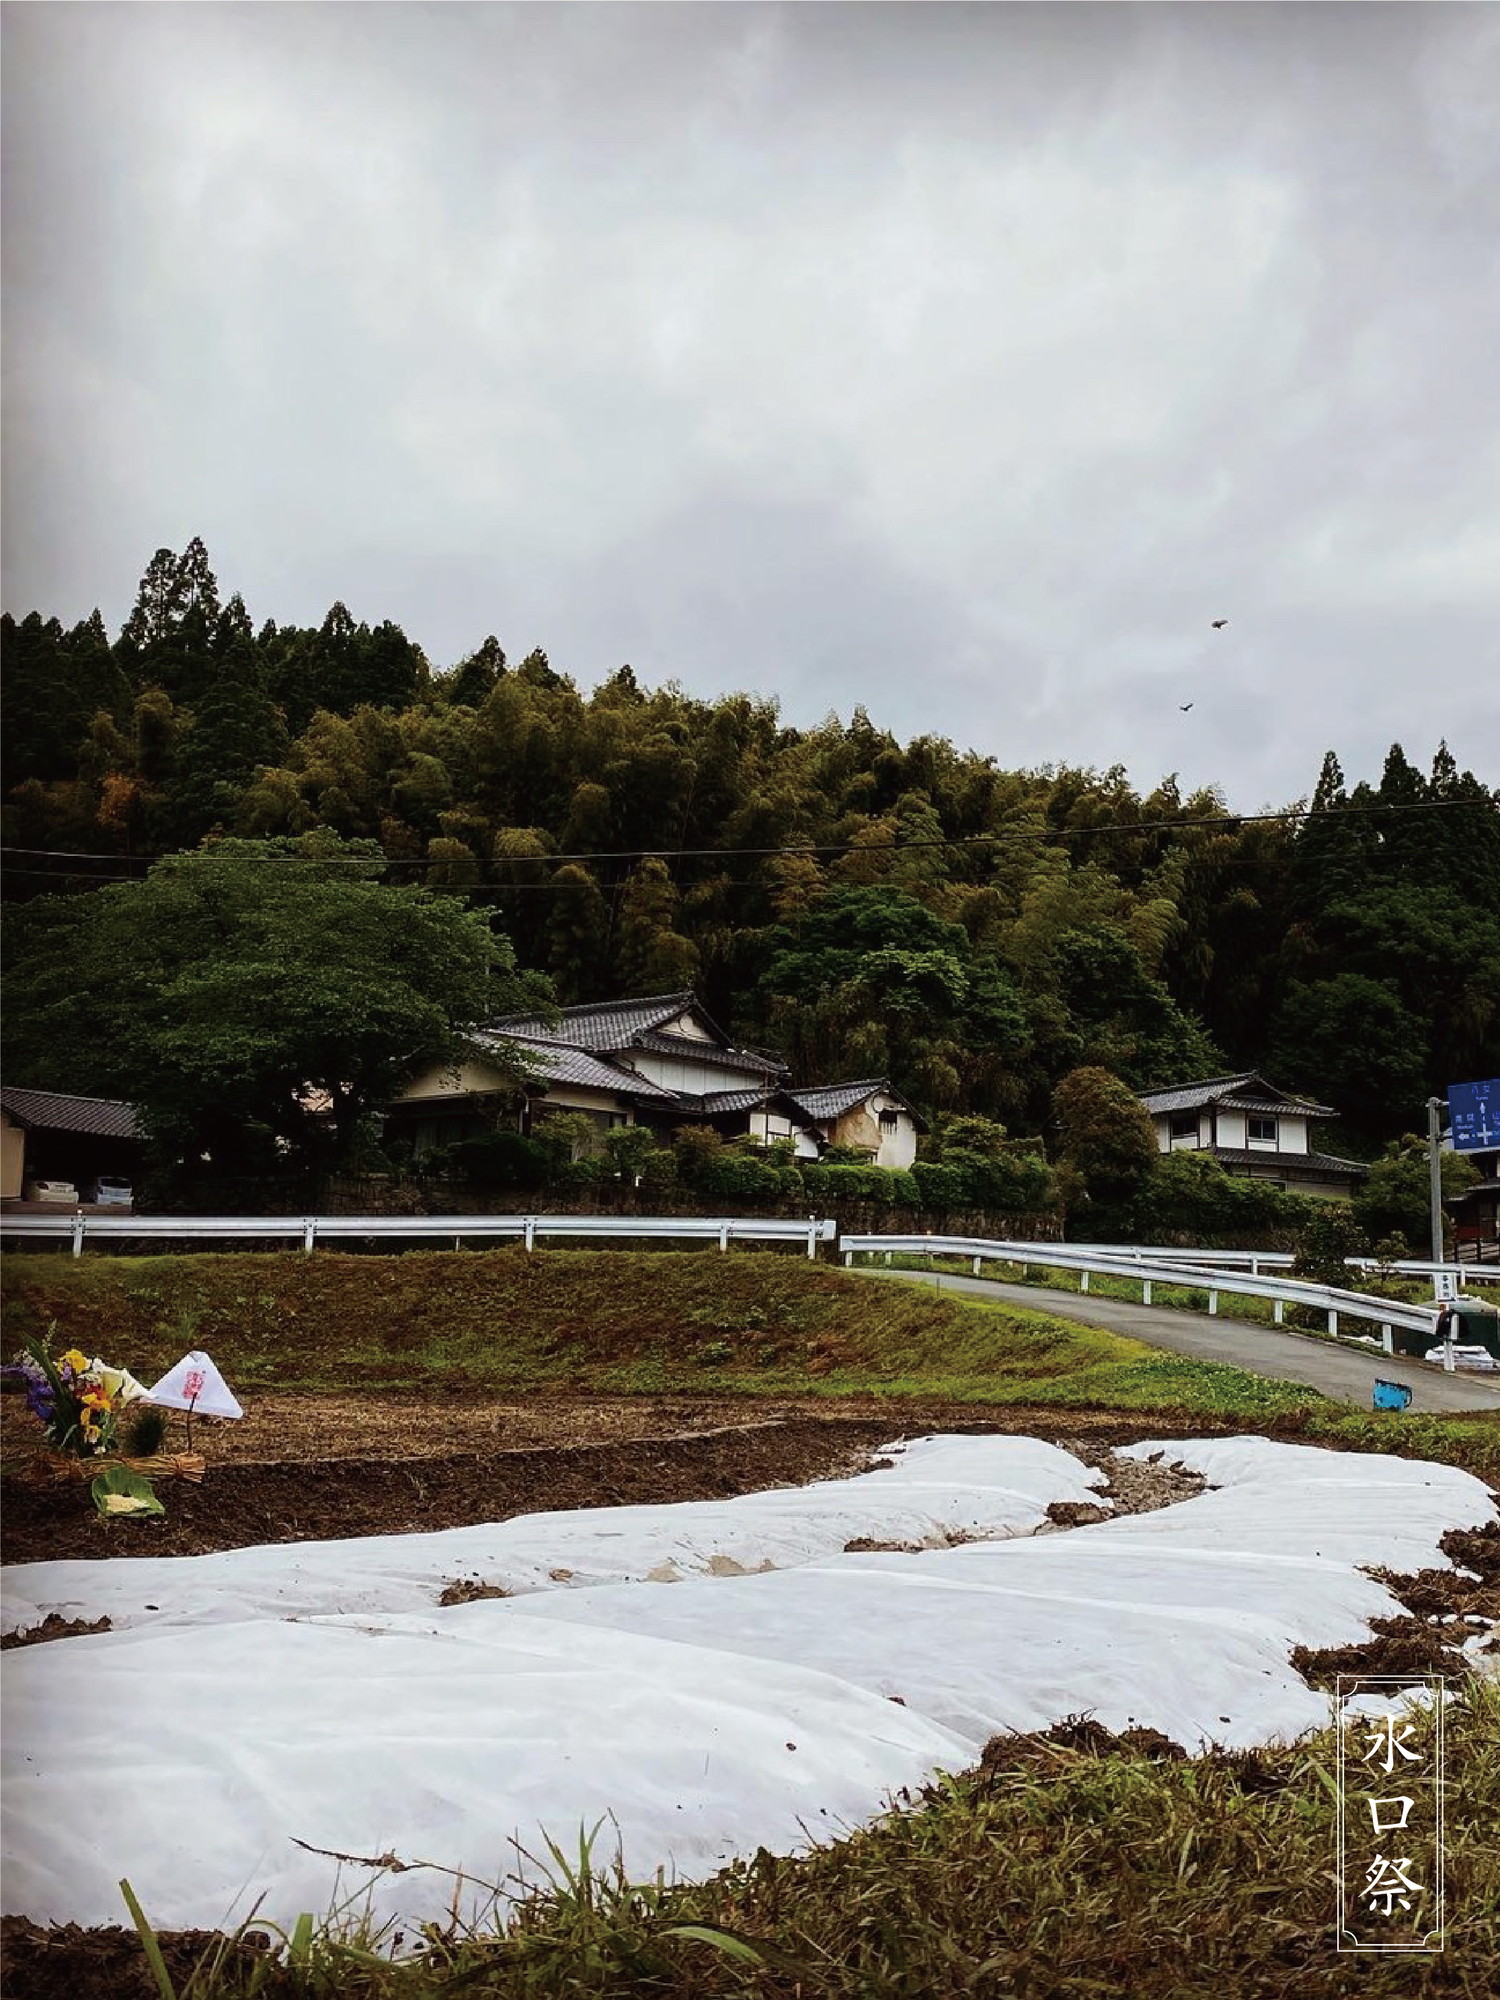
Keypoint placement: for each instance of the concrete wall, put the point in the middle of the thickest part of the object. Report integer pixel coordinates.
(12, 1158)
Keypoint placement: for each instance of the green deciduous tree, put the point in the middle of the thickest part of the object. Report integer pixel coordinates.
(1103, 1133)
(1395, 1198)
(253, 998)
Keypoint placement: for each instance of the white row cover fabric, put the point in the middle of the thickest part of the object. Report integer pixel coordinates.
(704, 1718)
(933, 1488)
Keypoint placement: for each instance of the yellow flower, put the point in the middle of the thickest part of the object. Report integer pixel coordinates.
(77, 1362)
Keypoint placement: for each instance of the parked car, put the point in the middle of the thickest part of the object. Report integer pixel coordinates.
(63, 1191)
(109, 1191)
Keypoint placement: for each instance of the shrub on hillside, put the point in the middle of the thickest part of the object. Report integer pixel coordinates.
(731, 1176)
(1326, 1241)
(695, 1148)
(941, 1186)
(1014, 1181)
(886, 1186)
(497, 1159)
(1104, 1133)
(1190, 1194)
(997, 1172)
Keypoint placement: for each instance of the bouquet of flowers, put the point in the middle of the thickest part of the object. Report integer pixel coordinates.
(78, 1402)
(101, 1425)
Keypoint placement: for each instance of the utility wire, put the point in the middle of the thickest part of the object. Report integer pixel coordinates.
(1229, 823)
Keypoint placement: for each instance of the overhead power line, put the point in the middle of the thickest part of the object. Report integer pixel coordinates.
(1030, 834)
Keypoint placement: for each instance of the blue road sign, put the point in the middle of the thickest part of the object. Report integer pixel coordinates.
(1474, 1116)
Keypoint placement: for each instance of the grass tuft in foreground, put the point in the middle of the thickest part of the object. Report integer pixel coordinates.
(1070, 1865)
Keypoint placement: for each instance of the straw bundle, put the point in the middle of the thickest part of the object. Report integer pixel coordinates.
(57, 1465)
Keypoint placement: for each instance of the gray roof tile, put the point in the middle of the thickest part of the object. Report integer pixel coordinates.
(712, 1053)
(1234, 1093)
(1287, 1163)
(822, 1101)
(558, 1062)
(610, 1026)
(604, 1024)
(55, 1111)
(736, 1100)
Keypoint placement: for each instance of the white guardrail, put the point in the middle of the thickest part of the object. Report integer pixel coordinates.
(1145, 1267)
(1242, 1273)
(310, 1230)
(1256, 1261)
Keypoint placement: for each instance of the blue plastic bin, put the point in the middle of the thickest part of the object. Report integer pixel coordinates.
(1391, 1395)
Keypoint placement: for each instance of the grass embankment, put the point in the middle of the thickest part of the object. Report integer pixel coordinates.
(1069, 1867)
(599, 1322)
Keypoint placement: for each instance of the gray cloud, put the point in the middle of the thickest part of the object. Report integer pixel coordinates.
(963, 361)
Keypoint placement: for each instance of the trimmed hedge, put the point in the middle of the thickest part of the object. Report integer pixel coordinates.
(884, 1185)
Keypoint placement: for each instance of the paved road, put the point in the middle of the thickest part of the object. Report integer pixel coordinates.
(1341, 1372)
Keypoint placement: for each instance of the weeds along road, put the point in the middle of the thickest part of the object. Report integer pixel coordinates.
(1340, 1372)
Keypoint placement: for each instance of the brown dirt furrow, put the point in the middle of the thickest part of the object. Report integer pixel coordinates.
(721, 1452)
(1444, 1607)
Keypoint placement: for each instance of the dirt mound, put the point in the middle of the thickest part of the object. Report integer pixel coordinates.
(109, 1963)
(607, 1453)
(1446, 1607)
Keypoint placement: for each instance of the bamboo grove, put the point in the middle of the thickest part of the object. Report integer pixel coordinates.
(864, 906)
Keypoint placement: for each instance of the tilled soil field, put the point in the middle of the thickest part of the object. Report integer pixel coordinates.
(314, 1468)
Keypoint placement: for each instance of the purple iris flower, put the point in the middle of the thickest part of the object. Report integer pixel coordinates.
(39, 1397)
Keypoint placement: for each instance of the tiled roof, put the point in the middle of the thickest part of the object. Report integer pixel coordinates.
(736, 1100)
(605, 1024)
(611, 1026)
(1287, 1163)
(557, 1062)
(1233, 1093)
(712, 1053)
(54, 1111)
(832, 1100)
(1277, 1102)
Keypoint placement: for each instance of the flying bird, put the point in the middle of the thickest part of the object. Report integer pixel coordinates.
(1184, 706)
(1219, 624)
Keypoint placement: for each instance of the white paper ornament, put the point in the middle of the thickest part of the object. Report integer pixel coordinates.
(195, 1384)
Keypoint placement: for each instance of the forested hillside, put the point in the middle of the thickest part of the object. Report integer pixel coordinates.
(864, 906)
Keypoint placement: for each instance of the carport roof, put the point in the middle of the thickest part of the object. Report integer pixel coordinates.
(55, 1111)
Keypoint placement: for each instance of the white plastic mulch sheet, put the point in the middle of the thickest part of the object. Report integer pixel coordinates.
(705, 1717)
(932, 1488)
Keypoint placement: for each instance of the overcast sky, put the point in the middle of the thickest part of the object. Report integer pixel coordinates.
(961, 361)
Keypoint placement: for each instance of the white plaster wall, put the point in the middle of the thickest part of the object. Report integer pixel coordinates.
(689, 1025)
(1165, 1143)
(440, 1082)
(899, 1148)
(694, 1079)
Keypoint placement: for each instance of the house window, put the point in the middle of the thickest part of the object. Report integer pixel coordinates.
(889, 1120)
(1262, 1131)
(1184, 1127)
